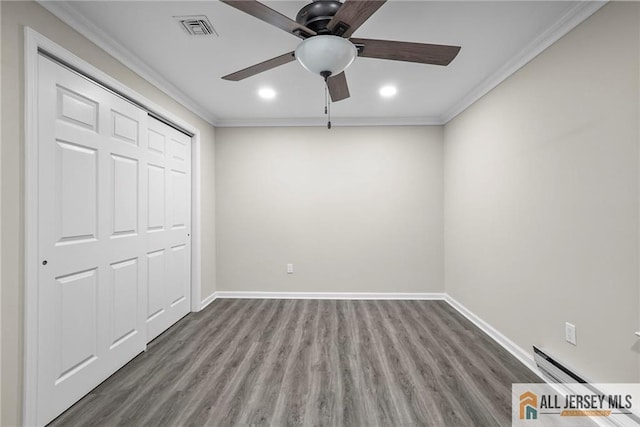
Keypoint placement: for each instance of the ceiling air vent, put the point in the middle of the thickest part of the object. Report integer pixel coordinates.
(197, 25)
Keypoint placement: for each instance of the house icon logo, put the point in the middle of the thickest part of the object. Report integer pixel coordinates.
(528, 406)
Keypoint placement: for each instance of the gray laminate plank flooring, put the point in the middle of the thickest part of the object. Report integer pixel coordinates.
(311, 362)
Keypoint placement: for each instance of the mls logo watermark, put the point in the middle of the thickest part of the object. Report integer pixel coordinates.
(528, 406)
(575, 404)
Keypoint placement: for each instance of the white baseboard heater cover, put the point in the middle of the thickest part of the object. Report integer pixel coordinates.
(552, 369)
(555, 370)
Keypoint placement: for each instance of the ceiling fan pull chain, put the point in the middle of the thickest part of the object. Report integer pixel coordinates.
(325, 98)
(329, 114)
(327, 104)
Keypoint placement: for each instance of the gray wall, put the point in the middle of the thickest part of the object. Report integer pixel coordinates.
(354, 209)
(541, 199)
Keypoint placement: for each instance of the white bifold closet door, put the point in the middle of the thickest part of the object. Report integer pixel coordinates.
(168, 253)
(113, 234)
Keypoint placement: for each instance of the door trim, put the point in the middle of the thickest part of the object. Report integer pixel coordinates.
(33, 43)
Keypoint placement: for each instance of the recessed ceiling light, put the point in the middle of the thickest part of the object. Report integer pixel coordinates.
(388, 91)
(267, 93)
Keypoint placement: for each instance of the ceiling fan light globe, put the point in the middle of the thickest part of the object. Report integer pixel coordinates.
(326, 53)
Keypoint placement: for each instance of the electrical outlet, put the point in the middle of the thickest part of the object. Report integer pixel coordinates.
(289, 268)
(570, 333)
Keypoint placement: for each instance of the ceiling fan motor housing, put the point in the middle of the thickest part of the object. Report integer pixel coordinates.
(317, 15)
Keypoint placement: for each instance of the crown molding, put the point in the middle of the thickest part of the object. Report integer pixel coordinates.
(79, 23)
(321, 121)
(574, 17)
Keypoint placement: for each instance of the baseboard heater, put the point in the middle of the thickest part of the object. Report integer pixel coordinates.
(554, 369)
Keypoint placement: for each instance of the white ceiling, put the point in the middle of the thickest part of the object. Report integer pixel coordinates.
(496, 38)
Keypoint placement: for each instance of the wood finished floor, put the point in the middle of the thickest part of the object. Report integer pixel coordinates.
(310, 362)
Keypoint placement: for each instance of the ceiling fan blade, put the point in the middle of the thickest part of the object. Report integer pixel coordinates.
(270, 16)
(351, 15)
(338, 88)
(422, 53)
(259, 68)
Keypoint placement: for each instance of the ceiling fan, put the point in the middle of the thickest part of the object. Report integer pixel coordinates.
(327, 48)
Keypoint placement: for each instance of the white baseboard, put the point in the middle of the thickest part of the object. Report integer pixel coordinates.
(518, 352)
(333, 295)
(208, 300)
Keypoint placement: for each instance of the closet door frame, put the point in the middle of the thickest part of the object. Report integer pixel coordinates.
(34, 43)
